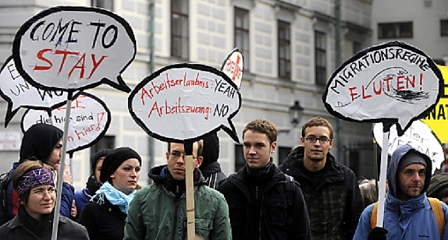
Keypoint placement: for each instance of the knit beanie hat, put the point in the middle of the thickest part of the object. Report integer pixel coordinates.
(410, 158)
(114, 160)
(94, 159)
(438, 186)
(39, 141)
(210, 151)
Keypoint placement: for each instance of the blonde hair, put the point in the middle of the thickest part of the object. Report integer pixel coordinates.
(368, 191)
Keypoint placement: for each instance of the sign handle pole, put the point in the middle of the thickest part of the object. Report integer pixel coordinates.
(54, 234)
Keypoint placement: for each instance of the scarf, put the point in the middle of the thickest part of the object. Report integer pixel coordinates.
(114, 196)
(34, 225)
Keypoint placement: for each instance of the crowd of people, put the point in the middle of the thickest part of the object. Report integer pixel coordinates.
(311, 195)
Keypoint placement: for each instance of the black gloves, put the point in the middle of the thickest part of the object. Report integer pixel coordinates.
(377, 233)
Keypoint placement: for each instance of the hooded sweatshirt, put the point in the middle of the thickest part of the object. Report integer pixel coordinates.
(404, 219)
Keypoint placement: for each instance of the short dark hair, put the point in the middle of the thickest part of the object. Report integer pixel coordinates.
(318, 122)
(263, 126)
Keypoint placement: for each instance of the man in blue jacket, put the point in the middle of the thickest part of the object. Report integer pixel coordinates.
(407, 211)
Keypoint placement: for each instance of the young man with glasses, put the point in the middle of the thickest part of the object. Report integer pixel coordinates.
(264, 203)
(330, 189)
(158, 211)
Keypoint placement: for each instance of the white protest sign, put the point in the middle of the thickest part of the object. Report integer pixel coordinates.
(89, 121)
(233, 66)
(392, 82)
(184, 102)
(74, 48)
(419, 135)
(19, 93)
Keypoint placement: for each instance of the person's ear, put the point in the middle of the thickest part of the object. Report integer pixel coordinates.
(199, 162)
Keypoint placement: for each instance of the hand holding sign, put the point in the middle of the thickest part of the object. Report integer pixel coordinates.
(19, 93)
(74, 48)
(184, 102)
(388, 82)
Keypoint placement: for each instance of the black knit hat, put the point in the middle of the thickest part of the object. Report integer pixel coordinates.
(39, 141)
(114, 160)
(94, 159)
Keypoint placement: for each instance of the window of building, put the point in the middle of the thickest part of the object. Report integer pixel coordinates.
(241, 31)
(284, 49)
(179, 29)
(320, 48)
(395, 30)
(283, 152)
(444, 27)
(239, 157)
(106, 4)
(104, 142)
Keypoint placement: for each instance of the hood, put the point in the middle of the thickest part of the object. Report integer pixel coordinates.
(210, 151)
(397, 156)
(39, 141)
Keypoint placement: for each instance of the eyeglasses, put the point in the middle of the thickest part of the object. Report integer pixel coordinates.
(177, 155)
(322, 140)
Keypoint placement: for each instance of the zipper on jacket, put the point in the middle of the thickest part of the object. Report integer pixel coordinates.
(176, 210)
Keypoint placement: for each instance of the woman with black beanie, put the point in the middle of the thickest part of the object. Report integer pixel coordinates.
(104, 216)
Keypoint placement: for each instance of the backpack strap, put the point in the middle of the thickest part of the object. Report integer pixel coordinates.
(436, 207)
(374, 214)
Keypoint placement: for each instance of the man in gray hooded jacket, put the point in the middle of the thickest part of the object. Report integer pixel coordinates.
(407, 211)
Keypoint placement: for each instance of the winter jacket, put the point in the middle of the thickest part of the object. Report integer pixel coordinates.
(213, 174)
(157, 213)
(84, 195)
(12, 200)
(405, 220)
(281, 214)
(67, 230)
(104, 221)
(334, 206)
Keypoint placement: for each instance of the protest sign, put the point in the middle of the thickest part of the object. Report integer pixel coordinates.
(74, 48)
(233, 66)
(185, 102)
(392, 82)
(89, 121)
(19, 93)
(437, 119)
(419, 135)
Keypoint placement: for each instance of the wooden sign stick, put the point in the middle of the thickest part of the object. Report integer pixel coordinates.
(189, 189)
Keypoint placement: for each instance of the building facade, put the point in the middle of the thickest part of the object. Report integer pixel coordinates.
(290, 49)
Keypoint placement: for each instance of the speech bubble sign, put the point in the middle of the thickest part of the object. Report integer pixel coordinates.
(19, 93)
(89, 120)
(233, 66)
(419, 135)
(183, 102)
(74, 48)
(390, 82)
